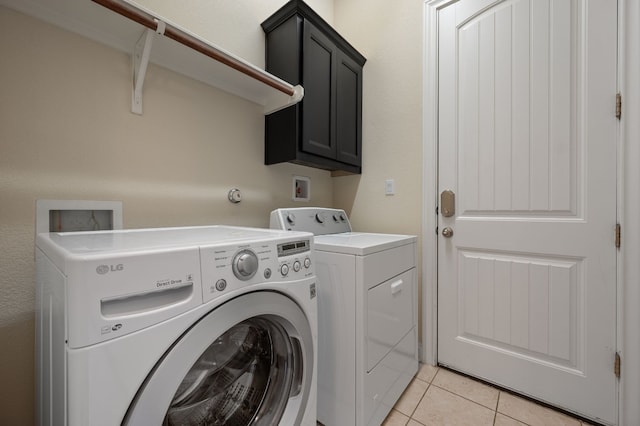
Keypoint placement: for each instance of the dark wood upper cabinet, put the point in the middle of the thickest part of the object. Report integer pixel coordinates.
(324, 130)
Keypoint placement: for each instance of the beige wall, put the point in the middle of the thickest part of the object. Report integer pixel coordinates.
(389, 35)
(66, 132)
(232, 25)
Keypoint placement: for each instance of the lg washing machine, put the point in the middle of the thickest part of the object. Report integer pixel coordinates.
(177, 326)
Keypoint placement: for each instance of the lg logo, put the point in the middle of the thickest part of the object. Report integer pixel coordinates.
(103, 269)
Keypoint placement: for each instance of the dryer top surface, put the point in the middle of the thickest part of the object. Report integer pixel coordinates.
(361, 243)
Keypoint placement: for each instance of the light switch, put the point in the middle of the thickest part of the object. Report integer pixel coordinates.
(389, 187)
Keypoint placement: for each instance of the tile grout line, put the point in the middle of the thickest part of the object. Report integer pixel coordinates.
(507, 415)
(464, 397)
(429, 384)
(421, 398)
(495, 414)
(455, 394)
(496, 410)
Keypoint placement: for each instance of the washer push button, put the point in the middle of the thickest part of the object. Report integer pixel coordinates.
(296, 266)
(284, 269)
(221, 285)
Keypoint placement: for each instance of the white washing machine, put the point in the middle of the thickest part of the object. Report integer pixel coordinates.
(367, 315)
(178, 326)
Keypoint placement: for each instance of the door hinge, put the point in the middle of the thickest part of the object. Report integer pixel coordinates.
(616, 365)
(618, 235)
(618, 106)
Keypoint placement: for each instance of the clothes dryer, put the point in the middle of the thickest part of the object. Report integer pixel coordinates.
(199, 325)
(367, 315)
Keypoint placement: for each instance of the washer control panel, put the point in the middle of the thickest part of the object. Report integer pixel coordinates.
(231, 267)
(293, 255)
(317, 220)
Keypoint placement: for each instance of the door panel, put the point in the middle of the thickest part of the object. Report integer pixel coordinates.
(520, 148)
(527, 141)
(520, 304)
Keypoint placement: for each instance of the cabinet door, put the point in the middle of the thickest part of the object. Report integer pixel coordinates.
(318, 105)
(348, 110)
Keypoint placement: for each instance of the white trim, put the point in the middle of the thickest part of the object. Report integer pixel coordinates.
(628, 201)
(430, 180)
(430, 174)
(629, 211)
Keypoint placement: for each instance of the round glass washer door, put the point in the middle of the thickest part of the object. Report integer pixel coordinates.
(247, 362)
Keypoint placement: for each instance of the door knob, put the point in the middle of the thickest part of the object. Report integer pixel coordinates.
(447, 232)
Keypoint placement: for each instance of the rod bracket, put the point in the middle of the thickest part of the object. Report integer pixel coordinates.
(140, 60)
(160, 26)
(281, 101)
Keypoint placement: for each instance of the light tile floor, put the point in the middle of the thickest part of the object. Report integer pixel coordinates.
(439, 397)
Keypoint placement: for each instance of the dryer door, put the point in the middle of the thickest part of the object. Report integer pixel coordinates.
(247, 362)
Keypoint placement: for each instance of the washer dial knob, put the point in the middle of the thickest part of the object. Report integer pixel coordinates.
(291, 218)
(319, 218)
(245, 264)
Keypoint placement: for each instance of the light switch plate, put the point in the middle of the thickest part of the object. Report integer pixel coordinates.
(389, 187)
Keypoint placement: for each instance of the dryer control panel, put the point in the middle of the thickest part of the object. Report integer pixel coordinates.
(317, 220)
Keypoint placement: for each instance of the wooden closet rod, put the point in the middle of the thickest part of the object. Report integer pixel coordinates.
(181, 37)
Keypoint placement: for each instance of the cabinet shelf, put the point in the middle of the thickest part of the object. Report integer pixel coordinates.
(121, 23)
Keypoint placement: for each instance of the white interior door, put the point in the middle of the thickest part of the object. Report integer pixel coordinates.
(527, 142)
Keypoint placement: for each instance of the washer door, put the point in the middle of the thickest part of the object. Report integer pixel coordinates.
(247, 362)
